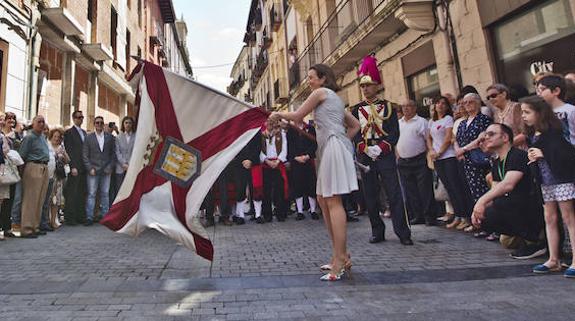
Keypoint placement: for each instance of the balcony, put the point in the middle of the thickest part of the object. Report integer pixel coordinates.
(236, 85)
(294, 76)
(258, 21)
(63, 20)
(276, 18)
(280, 96)
(97, 51)
(157, 39)
(261, 65)
(351, 32)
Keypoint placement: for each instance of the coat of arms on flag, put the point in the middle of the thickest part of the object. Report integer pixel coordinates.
(187, 134)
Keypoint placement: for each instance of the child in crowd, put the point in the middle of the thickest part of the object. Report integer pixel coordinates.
(553, 157)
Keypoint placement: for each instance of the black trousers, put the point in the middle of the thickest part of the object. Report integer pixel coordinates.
(417, 181)
(221, 186)
(75, 195)
(6, 211)
(273, 191)
(242, 179)
(521, 217)
(388, 178)
(449, 172)
(302, 180)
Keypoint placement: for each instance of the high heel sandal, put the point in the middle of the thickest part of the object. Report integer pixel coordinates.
(346, 270)
(327, 267)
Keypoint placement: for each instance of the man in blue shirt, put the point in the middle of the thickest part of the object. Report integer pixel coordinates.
(35, 153)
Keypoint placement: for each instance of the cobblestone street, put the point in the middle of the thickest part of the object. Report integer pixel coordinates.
(271, 272)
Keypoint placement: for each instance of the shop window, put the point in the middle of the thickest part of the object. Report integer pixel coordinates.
(534, 28)
(423, 87)
(114, 32)
(540, 39)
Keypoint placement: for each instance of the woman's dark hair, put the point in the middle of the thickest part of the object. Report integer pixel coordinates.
(445, 100)
(324, 71)
(123, 129)
(546, 119)
(10, 114)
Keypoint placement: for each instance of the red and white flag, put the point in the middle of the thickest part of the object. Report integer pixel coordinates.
(187, 134)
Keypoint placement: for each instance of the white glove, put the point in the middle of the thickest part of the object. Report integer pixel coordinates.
(373, 151)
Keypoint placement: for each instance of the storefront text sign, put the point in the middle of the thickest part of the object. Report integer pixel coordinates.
(541, 66)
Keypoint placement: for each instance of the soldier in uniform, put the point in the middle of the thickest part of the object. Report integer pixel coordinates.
(375, 148)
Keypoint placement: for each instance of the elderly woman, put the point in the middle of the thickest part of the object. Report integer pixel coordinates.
(475, 164)
(57, 176)
(506, 111)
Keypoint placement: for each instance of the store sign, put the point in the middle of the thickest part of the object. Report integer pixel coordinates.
(557, 56)
(541, 66)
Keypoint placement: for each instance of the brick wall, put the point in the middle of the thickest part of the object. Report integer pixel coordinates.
(108, 104)
(80, 99)
(49, 102)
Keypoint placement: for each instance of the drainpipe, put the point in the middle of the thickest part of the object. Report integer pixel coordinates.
(34, 43)
(453, 42)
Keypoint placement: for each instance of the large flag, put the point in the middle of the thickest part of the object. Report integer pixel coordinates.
(187, 134)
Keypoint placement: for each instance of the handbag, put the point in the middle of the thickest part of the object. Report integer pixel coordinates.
(15, 157)
(479, 159)
(60, 171)
(9, 173)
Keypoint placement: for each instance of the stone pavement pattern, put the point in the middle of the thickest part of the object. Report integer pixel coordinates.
(270, 272)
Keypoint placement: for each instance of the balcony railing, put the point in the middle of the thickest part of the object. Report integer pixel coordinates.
(342, 22)
(261, 65)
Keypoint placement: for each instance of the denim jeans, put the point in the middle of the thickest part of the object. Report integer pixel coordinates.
(45, 220)
(95, 183)
(17, 204)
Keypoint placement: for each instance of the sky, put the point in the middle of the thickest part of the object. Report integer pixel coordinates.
(215, 36)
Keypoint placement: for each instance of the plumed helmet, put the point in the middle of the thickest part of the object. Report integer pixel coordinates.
(368, 72)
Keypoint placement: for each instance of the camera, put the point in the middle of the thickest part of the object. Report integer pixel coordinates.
(112, 124)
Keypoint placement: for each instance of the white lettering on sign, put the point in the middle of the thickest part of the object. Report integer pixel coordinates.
(427, 101)
(541, 66)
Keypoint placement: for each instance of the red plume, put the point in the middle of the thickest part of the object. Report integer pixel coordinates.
(369, 68)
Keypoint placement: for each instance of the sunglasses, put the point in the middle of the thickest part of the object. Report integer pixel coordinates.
(99, 123)
(79, 117)
(492, 96)
(490, 134)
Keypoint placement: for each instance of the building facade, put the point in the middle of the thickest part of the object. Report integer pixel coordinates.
(424, 48)
(81, 52)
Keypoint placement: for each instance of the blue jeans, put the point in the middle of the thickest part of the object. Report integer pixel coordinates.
(101, 182)
(17, 204)
(45, 220)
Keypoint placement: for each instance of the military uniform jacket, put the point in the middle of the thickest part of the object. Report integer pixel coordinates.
(379, 126)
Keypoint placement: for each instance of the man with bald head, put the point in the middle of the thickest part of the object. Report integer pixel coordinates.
(35, 153)
(416, 177)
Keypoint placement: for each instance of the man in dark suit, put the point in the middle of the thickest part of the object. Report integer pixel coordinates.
(99, 155)
(75, 190)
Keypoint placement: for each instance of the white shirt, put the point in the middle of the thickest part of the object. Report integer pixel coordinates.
(128, 137)
(272, 153)
(412, 135)
(51, 161)
(100, 138)
(566, 114)
(80, 131)
(438, 129)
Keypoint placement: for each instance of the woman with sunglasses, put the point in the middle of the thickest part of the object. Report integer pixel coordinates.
(506, 112)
